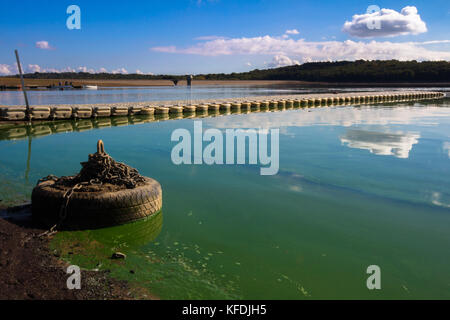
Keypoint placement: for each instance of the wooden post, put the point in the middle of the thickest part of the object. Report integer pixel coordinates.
(19, 66)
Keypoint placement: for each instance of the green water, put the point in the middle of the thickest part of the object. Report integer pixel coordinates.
(357, 186)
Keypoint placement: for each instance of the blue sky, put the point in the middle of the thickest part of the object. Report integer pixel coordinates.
(192, 36)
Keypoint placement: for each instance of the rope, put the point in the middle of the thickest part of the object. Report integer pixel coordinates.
(100, 169)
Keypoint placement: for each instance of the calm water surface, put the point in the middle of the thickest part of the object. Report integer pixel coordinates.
(139, 94)
(357, 186)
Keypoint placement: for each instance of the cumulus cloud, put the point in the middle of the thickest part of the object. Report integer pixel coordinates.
(86, 70)
(143, 73)
(281, 61)
(5, 69)
(120, 70)
(397, 144)
(293, 31)
(43, 45)
(386, 23)
(68, 69)
(33, 68)
(312, 51)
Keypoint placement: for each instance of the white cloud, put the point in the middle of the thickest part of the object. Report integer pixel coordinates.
(43, 45)
(33, 68)
(249, 64)
(293, 31)
(120, 70)
(68, 69)
(5, 69)
(85, 70)
(52, 70)
(143, 73)
(208, 38)
(390, 22)
(281, 61)
(312, 51)
(397, 144)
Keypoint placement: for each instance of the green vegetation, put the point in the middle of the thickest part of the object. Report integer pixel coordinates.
(342, 71)
(346, 71)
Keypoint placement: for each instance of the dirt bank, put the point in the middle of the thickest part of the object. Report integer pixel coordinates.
(29, 270)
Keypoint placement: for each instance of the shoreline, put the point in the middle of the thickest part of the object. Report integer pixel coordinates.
(30, 270)
(168, 83)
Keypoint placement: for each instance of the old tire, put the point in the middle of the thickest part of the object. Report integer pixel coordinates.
(91, 210)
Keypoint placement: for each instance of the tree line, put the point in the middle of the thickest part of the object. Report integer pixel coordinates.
(389, 71)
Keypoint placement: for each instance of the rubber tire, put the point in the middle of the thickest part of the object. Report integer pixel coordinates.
(92, 210)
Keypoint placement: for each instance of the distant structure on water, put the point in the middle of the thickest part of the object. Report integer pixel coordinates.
(189, 79)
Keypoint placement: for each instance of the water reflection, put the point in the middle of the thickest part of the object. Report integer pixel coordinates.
(156, 93)
(396, 144)
(35, 130)
(134, 234)
(180, 93)
(446, 148)
(396, 114)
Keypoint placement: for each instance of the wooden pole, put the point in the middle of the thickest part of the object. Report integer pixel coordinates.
(19, 66)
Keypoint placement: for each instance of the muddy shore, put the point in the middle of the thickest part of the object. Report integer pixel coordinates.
(29, 270)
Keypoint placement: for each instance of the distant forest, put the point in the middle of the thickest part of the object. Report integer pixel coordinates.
(343, 71)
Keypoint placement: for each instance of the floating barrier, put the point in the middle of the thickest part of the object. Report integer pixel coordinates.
(236, 106)
(61, 112)
(246, 106)
(255, 105)
(118, 111)
(13, 113)
(40, 113)
(161, 110)
(18, 113)
(134, 110)
(214, 107)
(225, 107)
(202, 108)
(156, 113)
(264, 105)
(289, 104)
(100, 111)
(175, 109)
(82, 112)
(189, 109)
(147, 111)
